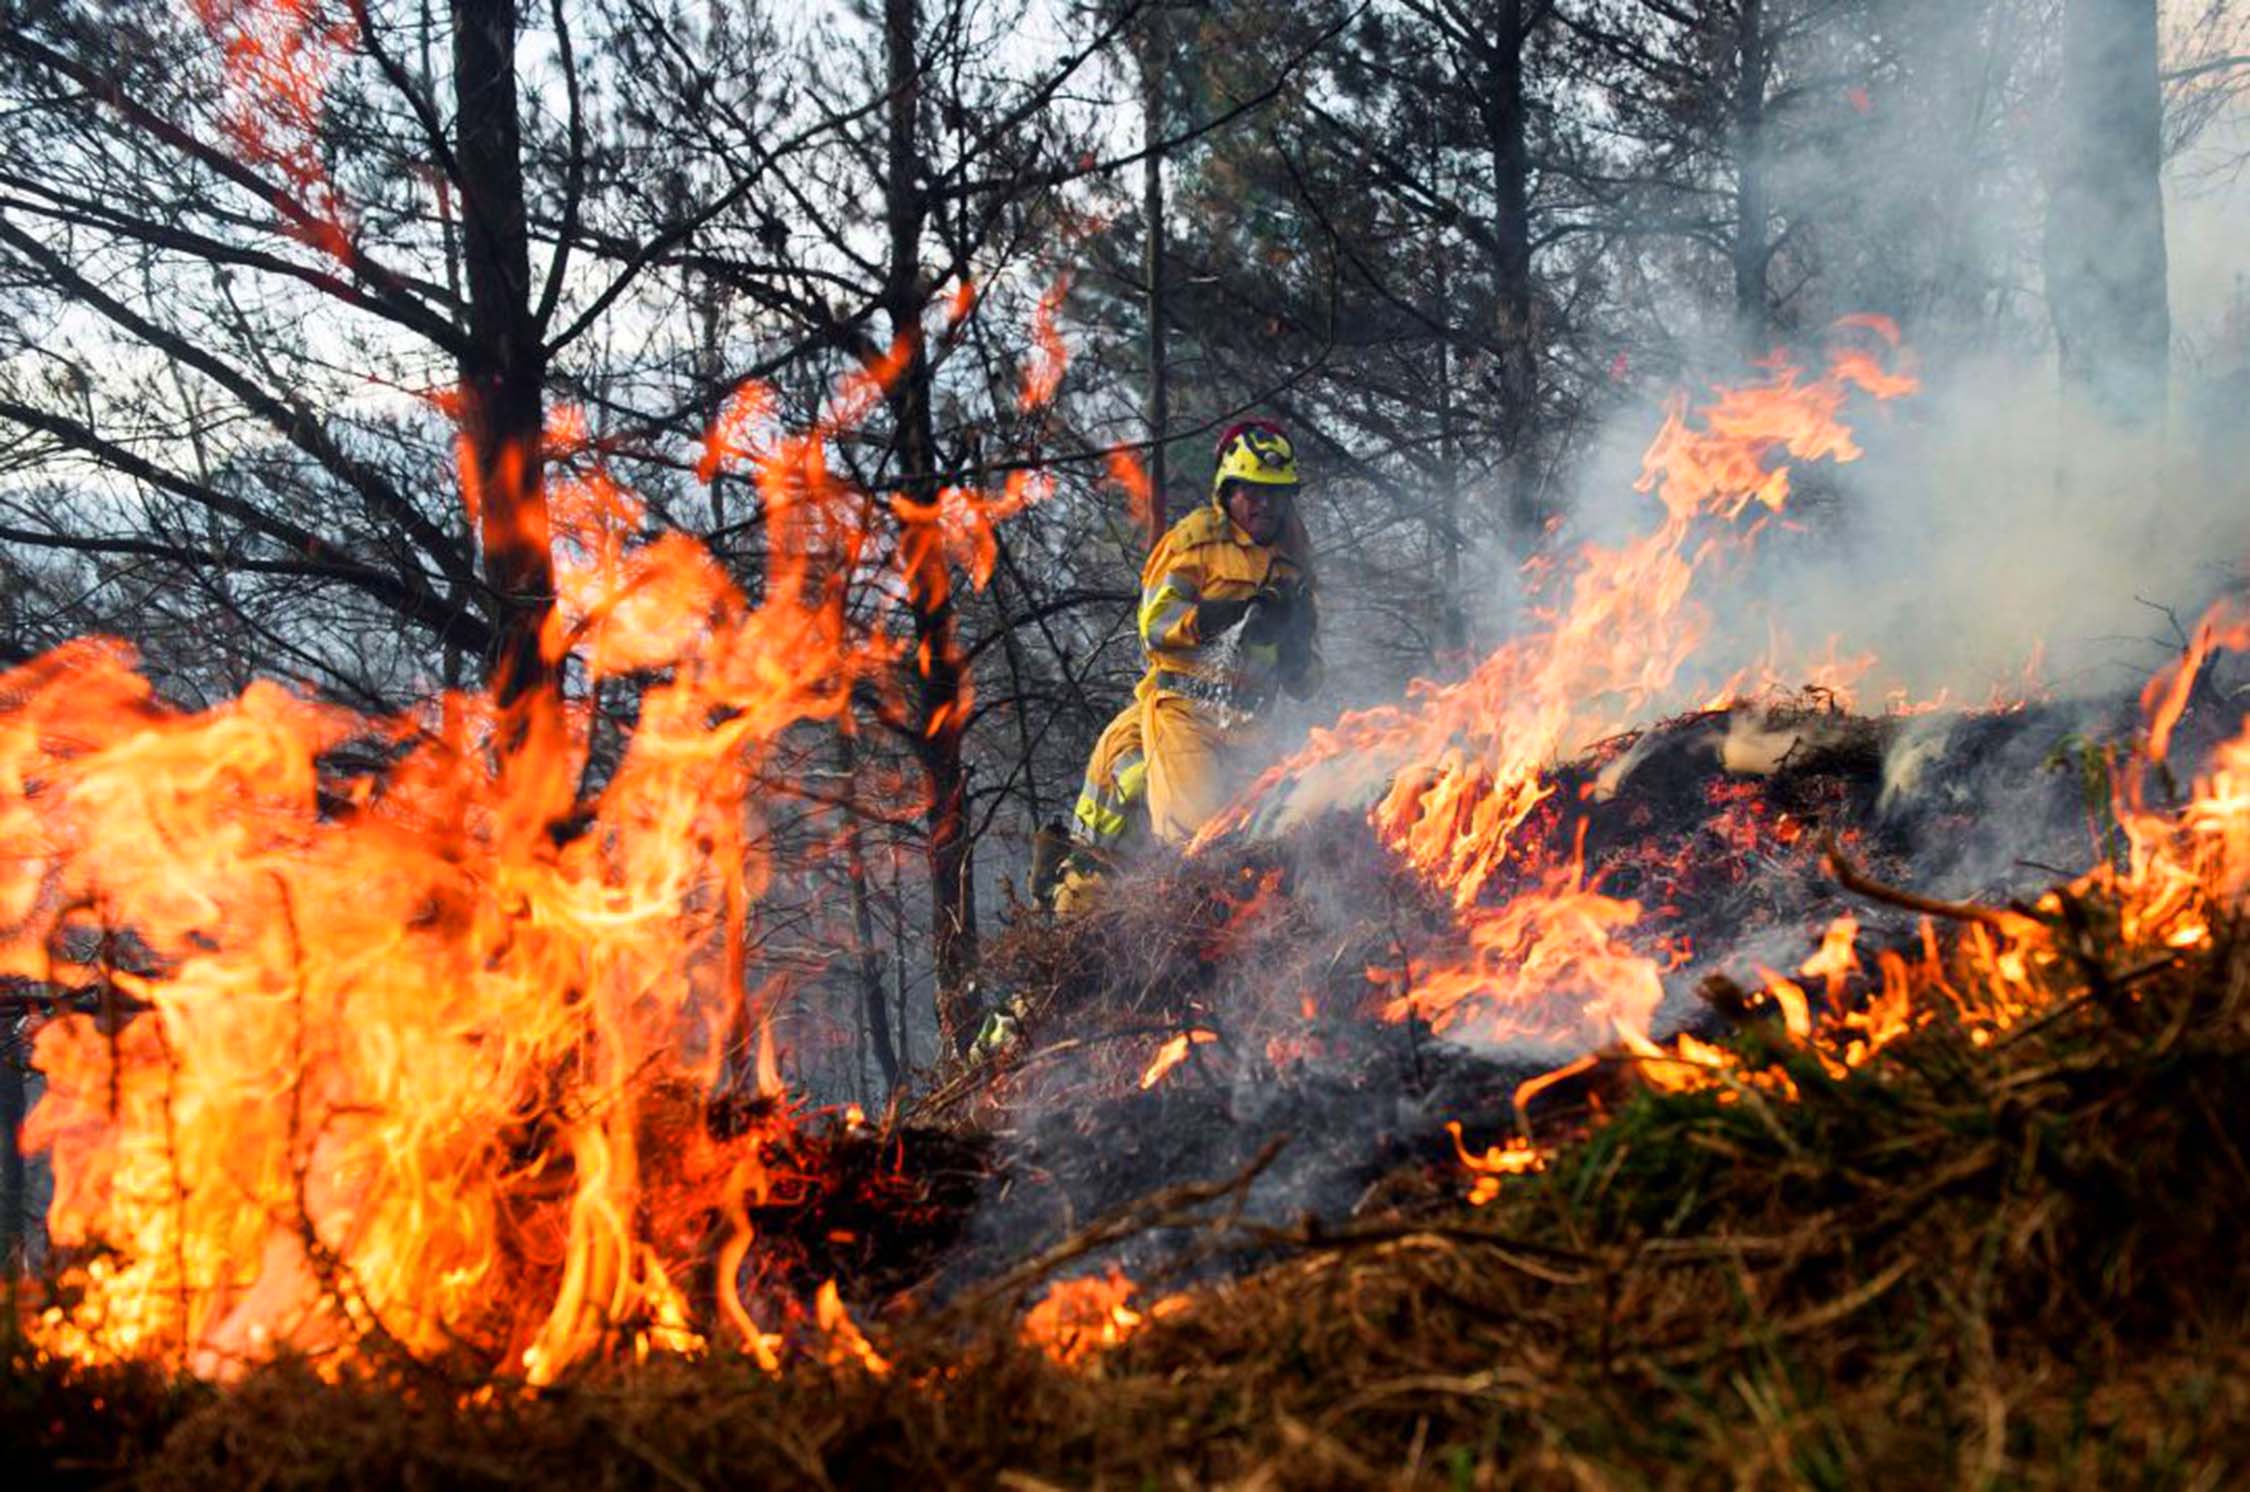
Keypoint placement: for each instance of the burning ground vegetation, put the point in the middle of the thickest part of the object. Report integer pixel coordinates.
(1507, 1090)
(1948, 1201)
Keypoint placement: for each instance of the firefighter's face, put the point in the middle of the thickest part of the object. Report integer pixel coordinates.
(1259, 508)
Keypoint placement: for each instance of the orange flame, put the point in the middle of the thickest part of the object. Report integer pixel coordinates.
(279, 56)
(1519, 1157)
(961, 302)
(1548, 965)
(1172, 1054)
(405, 1057)
(2225, 628)
(1126, 470)
(1042, 378)
(1837, 959)
(846, 1342)
(422, 1058)
(1078, 1319)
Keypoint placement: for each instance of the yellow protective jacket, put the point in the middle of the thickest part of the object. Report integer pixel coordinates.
(1207, 557)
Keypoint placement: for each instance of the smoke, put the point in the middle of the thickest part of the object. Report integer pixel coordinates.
(1990, 529)
(1997, 538)
(1995, 194)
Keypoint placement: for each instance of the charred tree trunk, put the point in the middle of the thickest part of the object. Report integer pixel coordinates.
(946, 820)
(1155, 60)
(2105, 252)
(874, 996)
(1752, 252)
(1508, 145)
(940, 681)
(901, 982)
(1453, 627)
(504, 372)
(15, 1200)
(710, 314)
(1451, 634)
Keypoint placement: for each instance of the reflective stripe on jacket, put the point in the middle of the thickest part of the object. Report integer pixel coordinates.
(1116, 778)
(1206, 557)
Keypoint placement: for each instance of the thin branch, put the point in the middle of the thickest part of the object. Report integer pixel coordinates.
(1853, 879)
(296, 424)
(408, 596)
(574, 173)
(390, 287)
(2203, 68)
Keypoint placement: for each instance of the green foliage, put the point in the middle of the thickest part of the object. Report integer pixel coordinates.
(2095, 764)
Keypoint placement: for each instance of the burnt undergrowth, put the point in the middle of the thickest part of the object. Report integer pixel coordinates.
(1981, 1260)
(1281, 957)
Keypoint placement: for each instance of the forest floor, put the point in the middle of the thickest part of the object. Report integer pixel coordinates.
(1974, 1258)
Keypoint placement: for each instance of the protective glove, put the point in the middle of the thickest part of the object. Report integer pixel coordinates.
(1215, 619)
(1300, 665)
(1273, 618)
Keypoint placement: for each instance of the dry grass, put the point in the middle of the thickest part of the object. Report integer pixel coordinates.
(2007, 1264)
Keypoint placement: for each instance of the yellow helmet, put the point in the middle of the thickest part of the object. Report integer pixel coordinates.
(1254, 451)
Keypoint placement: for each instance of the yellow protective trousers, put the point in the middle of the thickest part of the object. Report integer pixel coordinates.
(1195, 760)
(1116, 776)
(1109, 811)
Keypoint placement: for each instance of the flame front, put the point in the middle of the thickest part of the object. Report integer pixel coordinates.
(1629, 623)
(408, 1035)
(388, 1040)
(1469, 763)
(2186, 871)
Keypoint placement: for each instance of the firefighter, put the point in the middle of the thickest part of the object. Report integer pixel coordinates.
(1226, 618)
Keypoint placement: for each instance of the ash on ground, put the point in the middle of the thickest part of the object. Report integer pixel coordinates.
(1264, 962)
